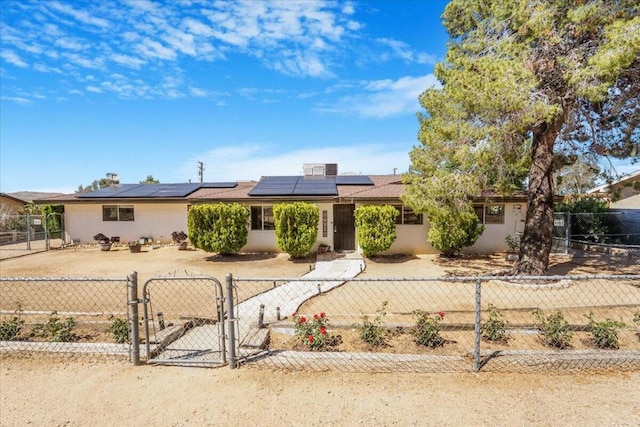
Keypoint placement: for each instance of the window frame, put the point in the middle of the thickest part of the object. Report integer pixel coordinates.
(259, 219)
(118, 213)
(405, 211)
(494, 218)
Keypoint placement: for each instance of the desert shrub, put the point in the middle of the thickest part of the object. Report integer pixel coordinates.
(371, 331)
(450, 230)
(220, 227)
(296, 227)
(494, 329)
(119, 329)
(10, 329)
(376, 228)
(554, 329)
(605, 332)
(427, 329)
(312, 332)
(56, 329)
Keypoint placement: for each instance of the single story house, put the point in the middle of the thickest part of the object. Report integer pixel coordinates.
(623, 193)
(11, 205)
(154, 211)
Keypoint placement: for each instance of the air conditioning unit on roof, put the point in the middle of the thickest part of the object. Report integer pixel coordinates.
(320, 169)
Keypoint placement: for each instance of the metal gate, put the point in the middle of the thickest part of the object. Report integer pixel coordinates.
(183, 321)
(30, 232)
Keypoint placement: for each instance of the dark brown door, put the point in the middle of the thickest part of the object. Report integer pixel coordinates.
(344, 229)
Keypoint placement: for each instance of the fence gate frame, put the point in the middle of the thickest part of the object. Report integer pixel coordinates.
(148, 323)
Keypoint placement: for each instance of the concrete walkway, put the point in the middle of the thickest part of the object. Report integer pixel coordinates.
(327, 275)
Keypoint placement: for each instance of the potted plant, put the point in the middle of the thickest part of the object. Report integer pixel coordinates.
(513, 243)
(180, 238)
(104, 243)
(134, 246)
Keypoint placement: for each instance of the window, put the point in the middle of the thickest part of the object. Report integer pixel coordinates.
(262, 218)
(494, 214)
(479, 210)
(117, 213)
(407, 215)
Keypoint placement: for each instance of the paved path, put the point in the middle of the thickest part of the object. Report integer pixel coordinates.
(291, 295)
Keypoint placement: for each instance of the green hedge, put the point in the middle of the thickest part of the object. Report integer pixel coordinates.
(296, 227)
(220, 227)
(376, 228)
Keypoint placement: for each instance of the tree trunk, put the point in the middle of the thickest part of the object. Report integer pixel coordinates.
(537, 237)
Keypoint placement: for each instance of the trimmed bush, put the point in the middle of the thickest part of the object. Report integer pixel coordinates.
(376, 228)
(296, 227)
(220, 227)
(451, 230)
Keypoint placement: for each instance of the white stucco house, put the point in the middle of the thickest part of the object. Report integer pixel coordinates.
(154, 211)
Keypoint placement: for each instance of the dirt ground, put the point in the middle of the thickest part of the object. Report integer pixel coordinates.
(52, 391)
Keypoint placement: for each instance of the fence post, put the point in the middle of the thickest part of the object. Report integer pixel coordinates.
(132, 286)
(568, 234)
(476, 349)
(28, 224)
(231, 329)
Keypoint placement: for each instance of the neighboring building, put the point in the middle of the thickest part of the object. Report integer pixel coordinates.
(11, 205)
(131, 211)
(623, 193)
(624, 201)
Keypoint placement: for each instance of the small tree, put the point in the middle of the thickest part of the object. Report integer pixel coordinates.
(150, 180)
(376, 228)
(220, 227)
(450, 230)
(296, 227)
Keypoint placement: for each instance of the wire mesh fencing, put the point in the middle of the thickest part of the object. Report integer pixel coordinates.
(65, 315)
(450, 324)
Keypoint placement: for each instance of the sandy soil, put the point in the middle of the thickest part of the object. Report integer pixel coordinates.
(43, 392)
(52, 391)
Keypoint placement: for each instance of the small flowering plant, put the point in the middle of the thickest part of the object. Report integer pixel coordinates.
(427, 330)
(312, 331)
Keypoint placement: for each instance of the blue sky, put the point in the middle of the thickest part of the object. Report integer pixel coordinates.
(249, 88)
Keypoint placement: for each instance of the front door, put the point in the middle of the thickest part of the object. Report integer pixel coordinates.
(344, 229)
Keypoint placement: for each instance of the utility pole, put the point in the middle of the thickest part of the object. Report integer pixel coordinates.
(201, 171)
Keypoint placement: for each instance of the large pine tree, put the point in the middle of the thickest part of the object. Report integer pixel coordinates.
(526, 81)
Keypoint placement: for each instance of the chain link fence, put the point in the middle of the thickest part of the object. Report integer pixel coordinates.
(65, 315)
(445, 324)
(451, 324)
(612, 237)
(24, 234)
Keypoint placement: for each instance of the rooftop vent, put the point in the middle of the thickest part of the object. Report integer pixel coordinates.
(320, 169)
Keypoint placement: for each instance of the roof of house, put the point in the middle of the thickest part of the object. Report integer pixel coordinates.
(605, 188)
(14, 198)
(341, 187)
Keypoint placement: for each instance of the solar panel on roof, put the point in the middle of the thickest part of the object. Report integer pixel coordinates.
(353, 180)
(151, 190)
(218, 185)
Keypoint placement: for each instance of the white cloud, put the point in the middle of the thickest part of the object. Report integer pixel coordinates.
(384, 98)
(94, 89)
(403, 51)
(127, 60)
(198, 93)
(72, 43)
(17, 99)
(250, 162)
(79, 15)
(12, 58)
(154, 49)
